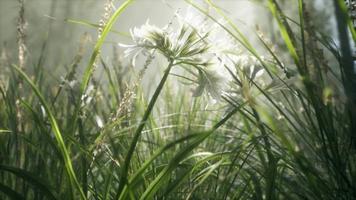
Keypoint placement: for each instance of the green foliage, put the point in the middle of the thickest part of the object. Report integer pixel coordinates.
(281, 126)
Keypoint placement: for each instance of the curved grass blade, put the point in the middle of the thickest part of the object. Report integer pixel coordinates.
(206, 173)
(183, 153)
(240, 37)
(135, 179)
(31, 178)
(179, 180)
(348, 20)
(11, 193)
(284, 32)
(5, 131)
(157, 183)
(137, 134)
(90, 68)
(93, 25)
(57, 133)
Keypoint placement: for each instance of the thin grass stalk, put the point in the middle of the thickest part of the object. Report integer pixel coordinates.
(134, 179)
(347, 19)
(286, 34)
(271, 167)
(31, 178)
(13, 194)
(58, 135)
(239, 37)
(21, 23)
(137, 134)
(347, 65)
(90, 68)
(302, 33)
(178, 157)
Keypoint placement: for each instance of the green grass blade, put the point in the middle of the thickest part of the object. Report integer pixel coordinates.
(137, 134)
(349, 22)
(136, 178)
(93, 25)
(240, 37)
(182, 154)
(31, 178)
(57, 133)
(284, 32)
(302, 30)
(161, 178)
(5, 131)
(11, 193)
(90, 68)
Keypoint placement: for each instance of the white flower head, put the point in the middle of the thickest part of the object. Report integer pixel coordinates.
(188, 46)
(143, 41)
(211, 82)
(250, 65)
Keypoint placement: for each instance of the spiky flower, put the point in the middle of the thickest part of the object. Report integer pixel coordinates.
(186, 47)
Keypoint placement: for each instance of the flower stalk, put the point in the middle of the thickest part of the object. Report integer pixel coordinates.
(138, 132)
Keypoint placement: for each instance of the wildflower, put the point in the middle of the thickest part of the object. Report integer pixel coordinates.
(250, 66)
(186, 47)
(146, 40)
(211, 82)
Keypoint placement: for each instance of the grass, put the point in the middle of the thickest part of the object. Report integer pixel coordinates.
(282, 126)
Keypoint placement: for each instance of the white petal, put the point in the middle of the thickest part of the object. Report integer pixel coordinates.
(260, 73)
(126, 45)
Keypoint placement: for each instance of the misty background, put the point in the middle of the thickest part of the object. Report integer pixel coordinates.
(48, 31)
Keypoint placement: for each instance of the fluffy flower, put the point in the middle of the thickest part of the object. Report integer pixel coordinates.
(143, 41)
(211, 82)
(187, 47)
(250, 65)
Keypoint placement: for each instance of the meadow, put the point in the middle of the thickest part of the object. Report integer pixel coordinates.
(257, 111)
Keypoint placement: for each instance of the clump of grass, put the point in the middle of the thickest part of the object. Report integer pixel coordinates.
(278, 128)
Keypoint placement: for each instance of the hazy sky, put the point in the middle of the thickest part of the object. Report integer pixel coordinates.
(63, 38)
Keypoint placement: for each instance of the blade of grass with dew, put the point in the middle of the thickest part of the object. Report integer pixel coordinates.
(38, 121)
